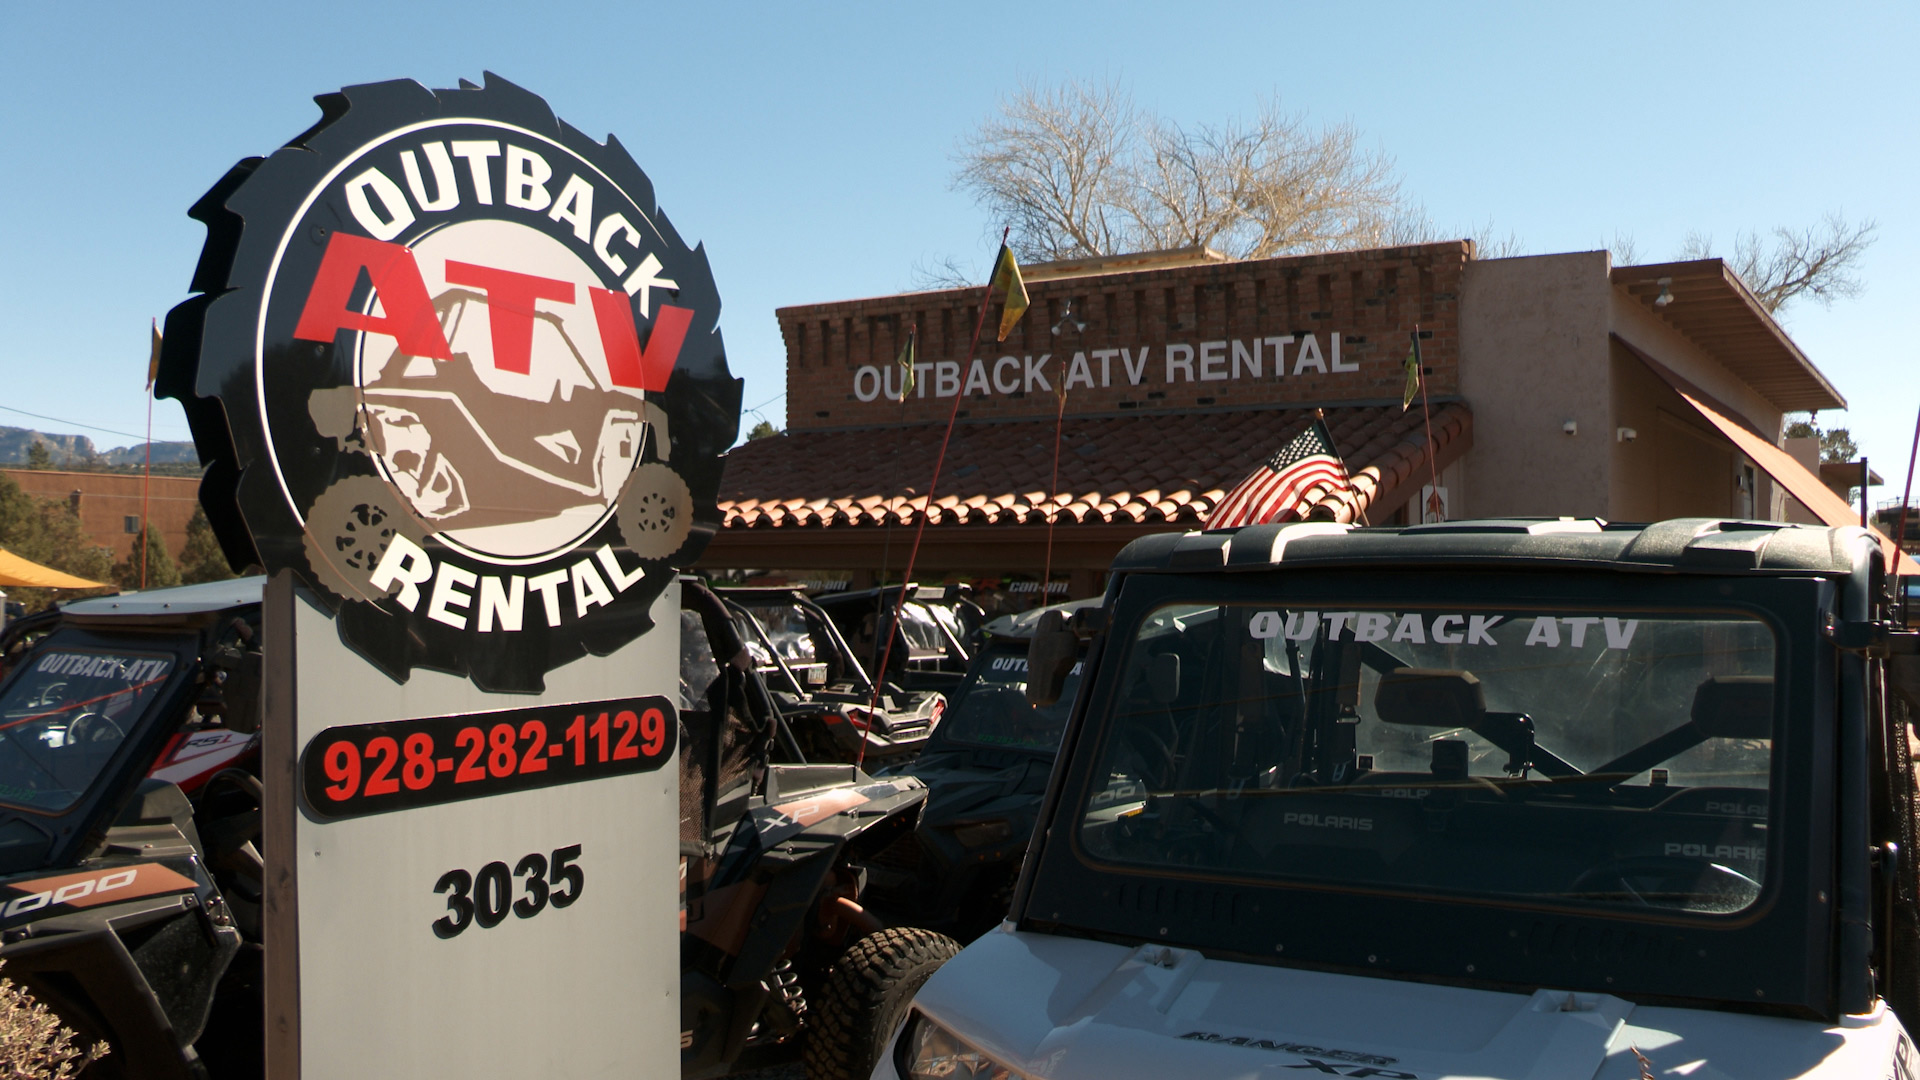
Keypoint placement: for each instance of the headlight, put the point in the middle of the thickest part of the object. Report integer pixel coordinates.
(934, 1053)
(982, 833)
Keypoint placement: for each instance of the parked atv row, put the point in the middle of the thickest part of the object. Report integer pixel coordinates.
(131, 877)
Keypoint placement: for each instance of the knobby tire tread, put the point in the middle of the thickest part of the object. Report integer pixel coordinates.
(865, 996)
(1903, 991)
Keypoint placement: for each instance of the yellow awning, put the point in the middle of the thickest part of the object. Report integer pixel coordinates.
(16, 572)
(1799, 481)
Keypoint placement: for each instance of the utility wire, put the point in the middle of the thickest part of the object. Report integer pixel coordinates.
(75, 423)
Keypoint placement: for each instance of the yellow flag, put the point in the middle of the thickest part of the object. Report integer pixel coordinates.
(909, 355)
(1006, 277)
(153, 361)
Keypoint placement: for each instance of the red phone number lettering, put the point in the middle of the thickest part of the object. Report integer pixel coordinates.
(369, 768)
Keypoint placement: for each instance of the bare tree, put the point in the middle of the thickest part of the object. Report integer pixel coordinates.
(941, 272)
(1413, 225)
(1077, 170)
(1625, 251)
(1820, 262)
(1050, 165)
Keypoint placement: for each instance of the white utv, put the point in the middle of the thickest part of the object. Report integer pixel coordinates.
(1493, 799)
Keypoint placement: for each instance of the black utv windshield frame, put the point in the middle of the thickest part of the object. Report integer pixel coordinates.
(73, 830)
(1776, 954)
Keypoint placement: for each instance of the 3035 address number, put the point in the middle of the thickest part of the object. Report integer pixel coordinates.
(485, 897)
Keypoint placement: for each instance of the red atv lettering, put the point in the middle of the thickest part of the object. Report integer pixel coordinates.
(627, 364)
(510, 300)
(409, 319)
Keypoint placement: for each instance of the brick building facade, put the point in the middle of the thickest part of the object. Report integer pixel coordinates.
(1198, 336)
(110, 504)
(1557, 385)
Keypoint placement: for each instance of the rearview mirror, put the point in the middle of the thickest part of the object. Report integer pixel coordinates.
(1430, 697)
(1050, 657)
(1734, 707)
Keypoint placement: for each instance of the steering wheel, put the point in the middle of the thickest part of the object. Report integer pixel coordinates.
(93, 727)
(1680, 877)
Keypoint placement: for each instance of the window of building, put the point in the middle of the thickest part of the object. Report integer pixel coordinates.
(130, 523)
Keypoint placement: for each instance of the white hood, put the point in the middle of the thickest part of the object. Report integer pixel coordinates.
(1066, 1009)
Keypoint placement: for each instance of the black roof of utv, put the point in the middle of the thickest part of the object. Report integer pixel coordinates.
(1681, 545)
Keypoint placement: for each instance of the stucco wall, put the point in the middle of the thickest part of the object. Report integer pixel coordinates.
(1533, 355)
(1645, 403)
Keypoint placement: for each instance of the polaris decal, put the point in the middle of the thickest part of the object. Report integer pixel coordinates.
(472, 388)
(1319, 1058)
(1327, 821)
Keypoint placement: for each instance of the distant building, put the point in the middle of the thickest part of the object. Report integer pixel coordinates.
(110, 504)
(1558, 384)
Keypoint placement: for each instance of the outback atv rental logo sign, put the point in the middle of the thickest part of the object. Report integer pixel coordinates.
(453, 367)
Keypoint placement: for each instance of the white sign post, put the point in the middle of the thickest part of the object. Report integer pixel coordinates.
(524, 934)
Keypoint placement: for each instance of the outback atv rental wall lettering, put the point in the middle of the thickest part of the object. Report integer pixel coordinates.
(1490, 799)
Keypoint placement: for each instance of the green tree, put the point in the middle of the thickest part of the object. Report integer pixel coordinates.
(160, 569)
(202, 560)
(38, 456)
(1836, 444)
(48, 532)
(762, 430)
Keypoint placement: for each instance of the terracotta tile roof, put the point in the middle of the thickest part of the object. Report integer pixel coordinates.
(1159, 469)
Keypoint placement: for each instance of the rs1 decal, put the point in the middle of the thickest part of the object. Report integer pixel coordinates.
(485, 897)
(371, 768)
(90, 888)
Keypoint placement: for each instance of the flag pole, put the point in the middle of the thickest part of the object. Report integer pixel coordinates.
(1426, 418)
(146, 480)
(926, 508)
(1321, 416)
(1906, 495)
(1053, 495)
(899, 439)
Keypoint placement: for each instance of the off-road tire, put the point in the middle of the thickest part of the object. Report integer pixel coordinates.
(865, 997)
(1902, 990)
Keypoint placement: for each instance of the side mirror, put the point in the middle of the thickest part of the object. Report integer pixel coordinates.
(1050, 657)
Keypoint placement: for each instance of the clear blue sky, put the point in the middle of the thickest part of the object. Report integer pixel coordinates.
(809, 145)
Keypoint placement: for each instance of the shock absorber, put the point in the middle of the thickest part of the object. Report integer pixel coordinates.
(786, 983)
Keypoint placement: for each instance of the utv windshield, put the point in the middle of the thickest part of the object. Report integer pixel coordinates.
(789, 635)
(63, 717)
(993, 709)
(1584, 756)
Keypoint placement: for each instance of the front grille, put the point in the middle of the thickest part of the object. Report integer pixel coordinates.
(902, 855)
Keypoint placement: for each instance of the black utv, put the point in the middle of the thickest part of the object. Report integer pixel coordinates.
(822, 690)
(986, 769)
(1501, 799)
(934, 639)
(776, 946)
(130, 872)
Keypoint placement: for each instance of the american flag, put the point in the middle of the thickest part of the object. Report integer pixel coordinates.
(1272, 491)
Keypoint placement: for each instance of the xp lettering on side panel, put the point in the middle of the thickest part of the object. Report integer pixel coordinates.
(373, 768)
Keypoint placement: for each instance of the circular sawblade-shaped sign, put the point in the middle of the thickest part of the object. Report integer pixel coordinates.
(452, 366)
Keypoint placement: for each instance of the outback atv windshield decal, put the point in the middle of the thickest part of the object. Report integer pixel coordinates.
(469, 379)
(1420, 628)
(1335, 1062)
(128, 669)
